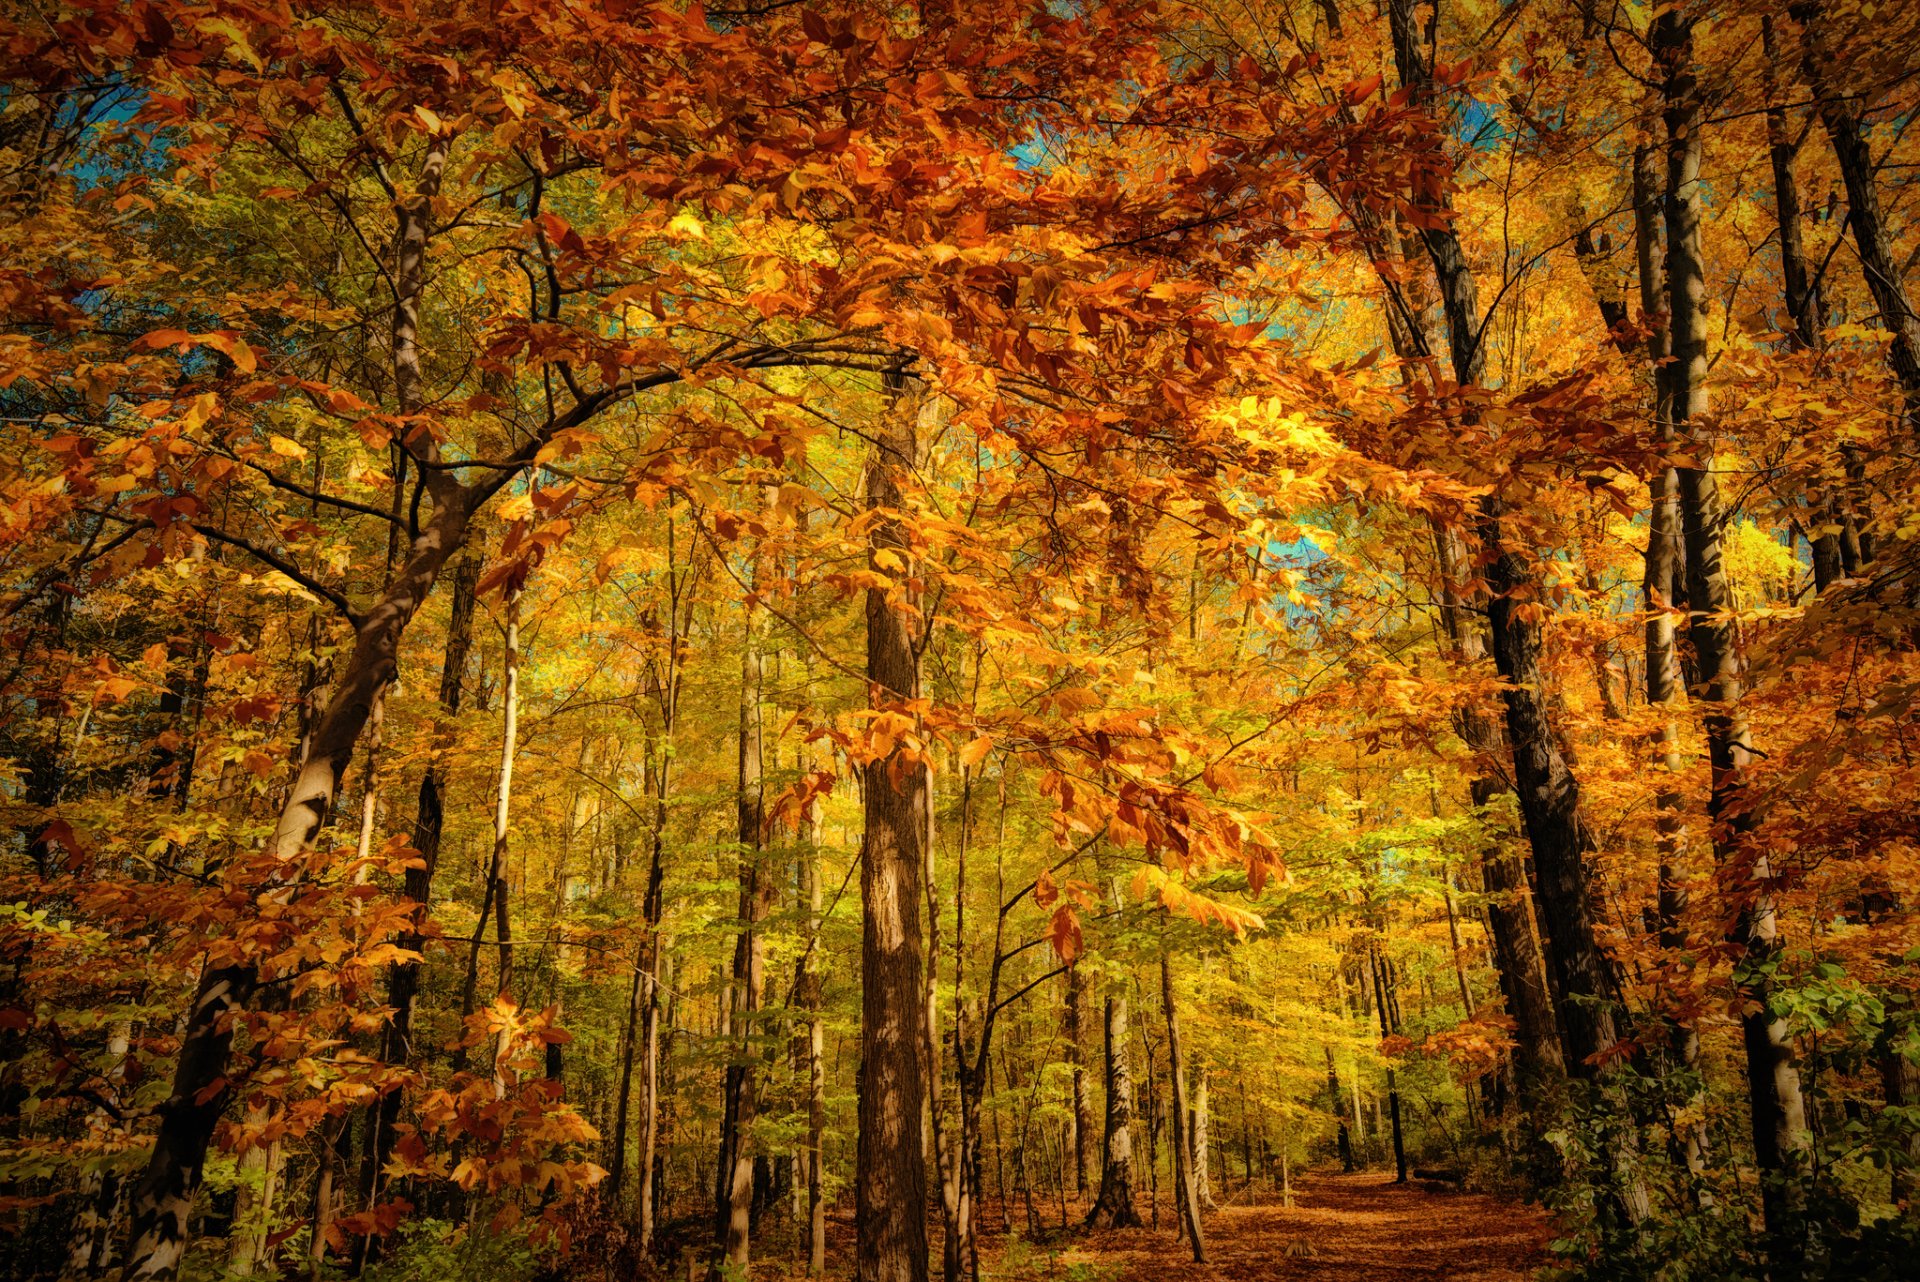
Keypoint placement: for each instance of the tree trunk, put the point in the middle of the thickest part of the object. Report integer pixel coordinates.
(1076, 1056)
(816, 1067)
(959, 1191)
(163, 1199)
(403, 978)
(1339, 1109)
(1900, 1089)
(666, 693)
(629, 1045)
(1186, 1196)
(259, 1171)
(733, 1201)
(494, 897)
(1113, 1206)
(1881, 267)
(101, 1193)
(1773, 1081)
(1834, 536)
(1549, 795)
(1388, 1026)
(1510, 922)
(1202, 1146)
(890, 1182)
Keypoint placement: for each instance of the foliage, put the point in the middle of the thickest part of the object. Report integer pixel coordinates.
(453, 495)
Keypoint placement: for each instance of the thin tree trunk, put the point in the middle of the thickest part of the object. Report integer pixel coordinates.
(1076, 1056)
(629, 1044)
(1834, 536)
(1338, 1105)
(259, 1169)
(666, 690)
(816, 1066)
(1186, 1196)
(494, 898)
(733, 1209)
(959, 1176)
(1388, 1026)
(1878, 263)
(1453, 941)
(403, 977)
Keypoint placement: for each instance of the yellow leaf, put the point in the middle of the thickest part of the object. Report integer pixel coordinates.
(235, 37)
(975, 752)
(286, 448)
(236, 348)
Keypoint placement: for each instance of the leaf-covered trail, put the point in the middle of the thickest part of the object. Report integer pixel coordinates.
(1355, 1228)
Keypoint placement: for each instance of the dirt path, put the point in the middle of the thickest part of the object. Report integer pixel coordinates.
(1355, 1228)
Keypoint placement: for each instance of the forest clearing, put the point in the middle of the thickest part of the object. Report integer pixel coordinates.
(988, 640)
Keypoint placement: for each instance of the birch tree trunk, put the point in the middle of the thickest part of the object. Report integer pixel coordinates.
(1113, 1206)
(494, 898)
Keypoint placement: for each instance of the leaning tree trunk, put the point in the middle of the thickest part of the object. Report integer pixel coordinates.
(1549, 794)
(1834, 538)
(1886, 280)
(163, 1199)
(1186, 1196)
(1113, 1207)
(890, 1180)
(1773, 1081)
(1517, 949)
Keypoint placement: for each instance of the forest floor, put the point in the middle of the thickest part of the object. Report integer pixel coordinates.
(1340, 1228)
(1356, 1228)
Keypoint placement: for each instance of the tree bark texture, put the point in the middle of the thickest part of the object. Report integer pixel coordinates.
(890, 1183)
(1773, 1081)
(1113, 1206)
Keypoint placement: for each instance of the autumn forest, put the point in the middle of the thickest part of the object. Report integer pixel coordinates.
(999, 639)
